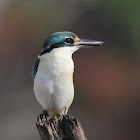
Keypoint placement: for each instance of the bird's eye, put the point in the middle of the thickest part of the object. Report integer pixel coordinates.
(69, 40)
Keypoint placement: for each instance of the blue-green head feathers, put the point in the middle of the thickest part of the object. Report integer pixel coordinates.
(59, 39)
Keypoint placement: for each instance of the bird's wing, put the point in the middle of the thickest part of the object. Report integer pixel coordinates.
(35, 68)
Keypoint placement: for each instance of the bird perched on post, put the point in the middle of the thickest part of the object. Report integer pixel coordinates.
(53, 71)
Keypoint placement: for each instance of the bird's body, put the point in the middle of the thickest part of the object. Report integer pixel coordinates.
(53, 73)
(53, 84)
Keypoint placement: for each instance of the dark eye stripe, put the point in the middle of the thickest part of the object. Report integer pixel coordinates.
(49, 48)
(69, 40)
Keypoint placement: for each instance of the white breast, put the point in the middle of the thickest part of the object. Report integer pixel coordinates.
(53, 85)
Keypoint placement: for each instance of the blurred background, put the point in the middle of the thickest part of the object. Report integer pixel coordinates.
(106, 79)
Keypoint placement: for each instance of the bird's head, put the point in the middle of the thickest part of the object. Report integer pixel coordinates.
(68, 40)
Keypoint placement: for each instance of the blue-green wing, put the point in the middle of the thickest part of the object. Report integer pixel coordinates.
(35, 68)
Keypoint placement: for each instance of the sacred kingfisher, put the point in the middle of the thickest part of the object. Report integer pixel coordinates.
(53, 71)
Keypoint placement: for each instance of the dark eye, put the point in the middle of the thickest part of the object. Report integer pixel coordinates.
(69, 40)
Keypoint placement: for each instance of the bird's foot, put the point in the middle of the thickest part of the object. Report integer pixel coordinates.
(45, 114)
(42, 118)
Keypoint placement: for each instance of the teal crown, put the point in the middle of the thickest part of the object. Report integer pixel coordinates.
(58, 39)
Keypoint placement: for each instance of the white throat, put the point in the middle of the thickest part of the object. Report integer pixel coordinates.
(58, 62)
(61, 51)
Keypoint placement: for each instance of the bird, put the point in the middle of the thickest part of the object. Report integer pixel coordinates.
(53, 71)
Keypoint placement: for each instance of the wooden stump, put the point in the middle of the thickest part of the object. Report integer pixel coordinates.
(60, 127)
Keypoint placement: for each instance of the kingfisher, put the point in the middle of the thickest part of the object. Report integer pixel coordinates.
(53, 71)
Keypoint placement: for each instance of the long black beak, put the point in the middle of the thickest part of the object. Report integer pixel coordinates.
(85, 43)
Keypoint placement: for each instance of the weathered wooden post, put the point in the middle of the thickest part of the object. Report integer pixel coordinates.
(60, 127)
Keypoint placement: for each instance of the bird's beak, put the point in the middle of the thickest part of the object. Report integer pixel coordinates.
(86, 43)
